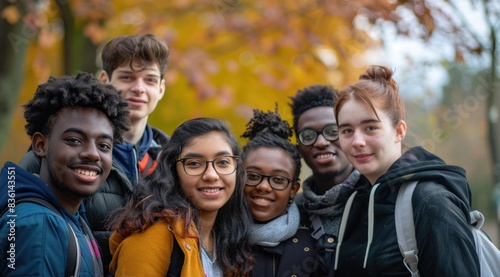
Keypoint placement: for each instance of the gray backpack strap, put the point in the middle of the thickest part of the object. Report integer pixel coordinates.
(343, 223)
(405, 227)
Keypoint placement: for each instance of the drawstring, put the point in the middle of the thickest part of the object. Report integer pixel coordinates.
(371, 209)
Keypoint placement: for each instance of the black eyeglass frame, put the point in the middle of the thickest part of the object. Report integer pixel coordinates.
(263, 176)
(320, 132)
(183, 161)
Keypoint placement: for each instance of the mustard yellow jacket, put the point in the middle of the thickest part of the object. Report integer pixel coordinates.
(148, 253)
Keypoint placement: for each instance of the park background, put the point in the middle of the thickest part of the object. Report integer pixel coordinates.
(229, 57)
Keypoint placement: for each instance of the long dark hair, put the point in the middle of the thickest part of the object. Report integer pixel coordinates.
(160, 197)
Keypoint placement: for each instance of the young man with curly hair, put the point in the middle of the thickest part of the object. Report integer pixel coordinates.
(333, 178)
(135, 65)
(73, 122)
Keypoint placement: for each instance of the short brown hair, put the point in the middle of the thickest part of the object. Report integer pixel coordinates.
(135, 49)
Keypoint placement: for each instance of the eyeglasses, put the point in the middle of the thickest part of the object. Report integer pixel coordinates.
(309, 136)
(276, 182)
(197, 166)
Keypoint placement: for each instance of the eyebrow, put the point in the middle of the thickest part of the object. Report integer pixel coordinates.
(366, 121)
(81, 132)
(197, 155)
(274, 170)
(134, 71)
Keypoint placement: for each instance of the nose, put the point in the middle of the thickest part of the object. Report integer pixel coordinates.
(321, 141)
(358, 139)
(90, 152)
(210, 173)
(264, 185)
(139, 86)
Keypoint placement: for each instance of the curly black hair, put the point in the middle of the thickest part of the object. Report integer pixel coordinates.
(267, 129)
(80, 90)
(311, 97)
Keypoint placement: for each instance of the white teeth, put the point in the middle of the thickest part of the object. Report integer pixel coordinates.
(262, 200)
(210, 190)
(324, 156)
(86, 172)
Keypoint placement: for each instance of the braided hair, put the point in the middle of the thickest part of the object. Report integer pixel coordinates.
(268, 130)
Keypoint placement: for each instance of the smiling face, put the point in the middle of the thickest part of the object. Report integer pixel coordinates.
(323, 157)
(77, 153)
(264, 202)
(371, 144)
(143, 88)
(210, 190)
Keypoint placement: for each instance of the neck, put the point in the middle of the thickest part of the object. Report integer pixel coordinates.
(205, 226)
(324, 182)
(136, 131)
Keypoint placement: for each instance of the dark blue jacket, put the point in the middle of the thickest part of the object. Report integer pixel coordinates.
(34, 239)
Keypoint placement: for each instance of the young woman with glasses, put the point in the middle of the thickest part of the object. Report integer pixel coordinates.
(193, 199)
(272, 163)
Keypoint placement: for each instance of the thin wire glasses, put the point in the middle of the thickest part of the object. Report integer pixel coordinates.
(197, 166)
(309, 136)
(276, 182)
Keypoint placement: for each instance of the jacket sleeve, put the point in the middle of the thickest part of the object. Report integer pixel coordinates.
(39, 245)
(142, 254)
(444, 238)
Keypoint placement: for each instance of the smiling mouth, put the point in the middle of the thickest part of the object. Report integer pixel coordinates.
(261, 200)
(324, 156)
(210, 190)
(86, 172)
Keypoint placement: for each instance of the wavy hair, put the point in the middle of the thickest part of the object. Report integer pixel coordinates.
(160, 197)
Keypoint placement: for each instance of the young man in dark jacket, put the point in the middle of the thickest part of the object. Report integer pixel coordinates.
(73, 123)
(135, 65)
(333, 178)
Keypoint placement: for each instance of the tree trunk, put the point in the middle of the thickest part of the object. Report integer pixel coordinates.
(14, 42)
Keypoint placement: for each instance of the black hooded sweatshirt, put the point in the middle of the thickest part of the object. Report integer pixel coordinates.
(441, 203)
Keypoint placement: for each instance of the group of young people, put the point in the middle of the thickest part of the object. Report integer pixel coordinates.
(141, 203)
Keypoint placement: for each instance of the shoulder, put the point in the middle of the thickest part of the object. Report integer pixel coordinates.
(156, 232)
(159, 136)
(30, 162)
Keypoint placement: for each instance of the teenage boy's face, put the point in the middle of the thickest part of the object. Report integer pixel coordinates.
(77, 153)
(323, 157)
(141, 86)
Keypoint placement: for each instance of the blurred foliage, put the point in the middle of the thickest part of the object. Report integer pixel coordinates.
(227, 56)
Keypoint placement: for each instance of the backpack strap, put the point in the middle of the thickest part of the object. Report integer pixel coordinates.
(73, 253)
(176, 261)
(405, 227)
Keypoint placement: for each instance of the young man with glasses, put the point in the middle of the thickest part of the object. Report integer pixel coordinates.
(333, 178)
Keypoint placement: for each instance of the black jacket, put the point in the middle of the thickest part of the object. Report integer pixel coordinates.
(441, 204)
(293, 257)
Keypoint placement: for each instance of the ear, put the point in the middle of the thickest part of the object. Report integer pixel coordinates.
(162, 89)
(39, 143)
(295, 189)
(400, 131)
(103, 76)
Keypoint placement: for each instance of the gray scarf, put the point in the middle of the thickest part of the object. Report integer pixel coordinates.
(277, 230)
(329, 207)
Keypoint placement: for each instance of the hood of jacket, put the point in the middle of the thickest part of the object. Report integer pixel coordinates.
(418, 164)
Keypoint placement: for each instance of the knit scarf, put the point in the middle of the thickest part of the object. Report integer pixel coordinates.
(329, 207)
(277, 230)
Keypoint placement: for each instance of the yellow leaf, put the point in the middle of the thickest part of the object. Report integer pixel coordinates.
(11, 14)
